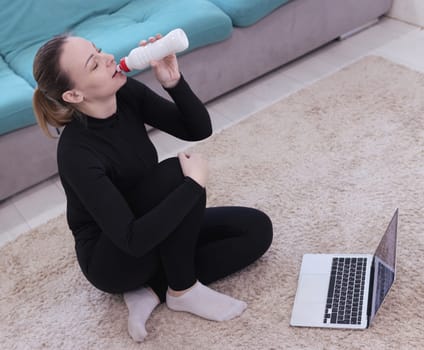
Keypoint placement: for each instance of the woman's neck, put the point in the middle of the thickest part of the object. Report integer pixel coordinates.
(100, 109)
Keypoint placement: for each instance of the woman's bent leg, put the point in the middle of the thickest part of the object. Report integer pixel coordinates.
(178, 250)
(231, 238)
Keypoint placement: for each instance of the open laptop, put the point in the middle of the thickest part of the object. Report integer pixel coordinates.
(345, 290)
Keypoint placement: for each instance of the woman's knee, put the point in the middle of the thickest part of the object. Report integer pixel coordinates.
(260, 227)
(248, 230)
(257, 228)
(156, 186)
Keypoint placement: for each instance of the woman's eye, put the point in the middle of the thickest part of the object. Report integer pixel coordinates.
(99, 50)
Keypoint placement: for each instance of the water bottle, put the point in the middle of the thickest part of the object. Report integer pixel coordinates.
(140, 57)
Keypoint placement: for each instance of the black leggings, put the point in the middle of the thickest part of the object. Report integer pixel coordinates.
(209, 244)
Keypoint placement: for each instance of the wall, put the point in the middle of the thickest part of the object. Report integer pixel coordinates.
(411, 11)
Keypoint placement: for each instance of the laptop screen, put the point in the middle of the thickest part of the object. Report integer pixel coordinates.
(384, 265)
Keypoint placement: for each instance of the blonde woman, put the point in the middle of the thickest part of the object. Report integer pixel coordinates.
(141, 227)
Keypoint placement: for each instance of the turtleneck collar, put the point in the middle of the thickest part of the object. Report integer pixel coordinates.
(97, 123)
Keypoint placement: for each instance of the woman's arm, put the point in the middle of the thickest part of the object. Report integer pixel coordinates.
(185, 118)
(87, 178)
(188, 118)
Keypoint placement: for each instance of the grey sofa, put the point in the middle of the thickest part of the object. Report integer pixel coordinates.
(27, 157)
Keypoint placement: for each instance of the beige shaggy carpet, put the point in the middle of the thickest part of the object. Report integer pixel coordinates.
(329, 164)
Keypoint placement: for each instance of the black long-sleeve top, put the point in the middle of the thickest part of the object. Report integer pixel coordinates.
(100, 160)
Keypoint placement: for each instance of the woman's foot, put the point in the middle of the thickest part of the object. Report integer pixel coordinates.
(205, 302)
(140, 303)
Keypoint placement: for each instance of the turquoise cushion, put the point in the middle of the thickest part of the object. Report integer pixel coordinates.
(245, 13)
(119, 31)
(16, 101)
(25, 22)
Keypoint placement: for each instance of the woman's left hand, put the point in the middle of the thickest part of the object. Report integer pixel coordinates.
(166, 70)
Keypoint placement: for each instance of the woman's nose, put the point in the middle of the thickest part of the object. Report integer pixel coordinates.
(110, 59)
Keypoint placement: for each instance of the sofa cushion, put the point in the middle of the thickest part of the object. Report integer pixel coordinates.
(245, 13)
(119, 29)
(15, 102)
(25, 22)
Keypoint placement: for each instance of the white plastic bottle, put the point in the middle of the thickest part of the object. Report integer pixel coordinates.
(139, 58)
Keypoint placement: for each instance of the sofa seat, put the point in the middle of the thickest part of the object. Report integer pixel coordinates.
(245, 13)
(116, 28)
(15, 102)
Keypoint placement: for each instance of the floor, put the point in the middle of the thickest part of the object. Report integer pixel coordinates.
(395, 40)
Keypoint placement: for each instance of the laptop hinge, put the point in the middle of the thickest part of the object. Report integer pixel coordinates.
(370, 293)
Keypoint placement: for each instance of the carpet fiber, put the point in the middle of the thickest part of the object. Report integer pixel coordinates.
(329, 164)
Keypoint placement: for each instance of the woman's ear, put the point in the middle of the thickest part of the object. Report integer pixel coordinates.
(72, 96)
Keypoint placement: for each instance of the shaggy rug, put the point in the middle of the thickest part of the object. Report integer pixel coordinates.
(329, 164)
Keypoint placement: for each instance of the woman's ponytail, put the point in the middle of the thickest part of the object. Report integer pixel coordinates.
(50, 112)
(47, 102)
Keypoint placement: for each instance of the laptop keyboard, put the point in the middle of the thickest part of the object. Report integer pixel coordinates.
(346, 291)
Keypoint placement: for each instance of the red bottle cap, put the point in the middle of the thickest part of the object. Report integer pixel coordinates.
(123, 65)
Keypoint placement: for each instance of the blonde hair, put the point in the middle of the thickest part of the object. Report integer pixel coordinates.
(47, 102)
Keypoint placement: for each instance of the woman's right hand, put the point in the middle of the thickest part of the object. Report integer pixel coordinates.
(166, 70)
(194, 166)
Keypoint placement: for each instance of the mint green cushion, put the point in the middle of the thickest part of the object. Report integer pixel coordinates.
(247, 12)
(15, 101)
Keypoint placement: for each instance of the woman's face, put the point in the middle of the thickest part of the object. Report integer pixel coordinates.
(91, 71)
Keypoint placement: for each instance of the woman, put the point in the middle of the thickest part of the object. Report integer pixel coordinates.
(141, 227)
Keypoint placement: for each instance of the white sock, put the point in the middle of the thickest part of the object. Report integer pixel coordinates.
(207, 303)
(140, 303)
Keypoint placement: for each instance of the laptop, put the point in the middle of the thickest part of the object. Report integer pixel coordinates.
(345, 290)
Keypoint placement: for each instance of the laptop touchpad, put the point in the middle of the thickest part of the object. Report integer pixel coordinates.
(312, 288)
